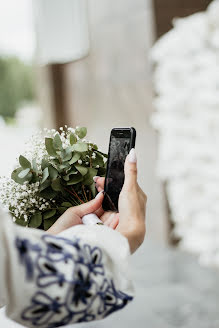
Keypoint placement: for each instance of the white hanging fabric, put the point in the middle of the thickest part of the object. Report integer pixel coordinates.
(61, 30)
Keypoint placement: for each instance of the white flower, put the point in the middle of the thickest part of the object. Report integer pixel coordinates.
(97, 166)
(80, 161)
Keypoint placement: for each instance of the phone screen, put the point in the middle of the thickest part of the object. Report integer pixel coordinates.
(120, 145)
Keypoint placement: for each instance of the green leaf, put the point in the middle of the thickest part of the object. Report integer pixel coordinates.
(75, 158)
(24, 162)
(57, 142)
(48, 193)
(21, 222)
(67, 176)
(49, 146)
(34, 165)
(63, 166)
(48, 223)
(93, 189)
(44, 185)
(48, 214)
(35, 220)
(98, 160)
(75, 179)
(67, 155)
(66, 204)
(44, 164)
(80, 147)
(101, 172)
(81, 132)
(56, 185)
(15, 176)
(88, 178)
(45, 174)
(24, 173)
(73, 139)
(103, 154)
(82, 169)
(53, 173)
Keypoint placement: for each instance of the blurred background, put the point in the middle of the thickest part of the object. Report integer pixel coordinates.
(151, 64)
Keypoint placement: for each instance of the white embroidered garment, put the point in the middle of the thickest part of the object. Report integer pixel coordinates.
(48, 281)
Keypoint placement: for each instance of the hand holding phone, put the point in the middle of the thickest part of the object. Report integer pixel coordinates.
(122, 140)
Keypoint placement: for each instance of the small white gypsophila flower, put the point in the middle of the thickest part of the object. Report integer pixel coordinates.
(18, 202)
(80, 161)
(89, 147)
(87, 163)
(97, 166)
(93, 156)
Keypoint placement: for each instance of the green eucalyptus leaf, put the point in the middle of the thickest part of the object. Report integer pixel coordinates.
(34, 178)
(34, 165)
(48, 214)
(67, 176)
(21, 222)
(93, 189)
(88, 178)
(81, 132)
(101, 172)
(82, 169)
(80, 147)
(49, 146)
(63, 166)
(55, 161)
(24, 162)
(23, 173)
(56, 185)
(67, 154)
(103, 154)
(53, 173)
(98, 160)
(35, 220)
(73, 139)
(15, 176)
(75, 179)
(44, 185)
(44, 164)
(75, 158)
(66, 204)
(45, 175)
(48, 193)
(57, 142)
(48, 223)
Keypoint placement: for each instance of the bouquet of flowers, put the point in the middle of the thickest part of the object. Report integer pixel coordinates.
(55, 173)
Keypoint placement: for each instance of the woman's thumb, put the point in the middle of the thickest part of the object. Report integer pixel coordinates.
(91, 206)
(131, 169)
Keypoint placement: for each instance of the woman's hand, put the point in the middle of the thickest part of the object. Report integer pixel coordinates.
(73, 215)
(130, 221)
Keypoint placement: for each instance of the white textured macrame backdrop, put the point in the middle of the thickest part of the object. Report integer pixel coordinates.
(186, 81)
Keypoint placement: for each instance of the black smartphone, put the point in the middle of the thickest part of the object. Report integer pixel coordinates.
(122, 140)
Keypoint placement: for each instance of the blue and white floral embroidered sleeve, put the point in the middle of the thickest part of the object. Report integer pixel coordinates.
(48, 281)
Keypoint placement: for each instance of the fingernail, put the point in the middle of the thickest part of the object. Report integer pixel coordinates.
(95, 178)
(132, 156)
(98, 195)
